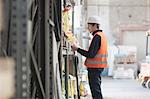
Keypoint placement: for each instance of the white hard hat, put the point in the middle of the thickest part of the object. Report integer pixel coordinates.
(94, 19)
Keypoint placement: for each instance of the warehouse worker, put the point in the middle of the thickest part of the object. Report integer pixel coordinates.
(96, 56)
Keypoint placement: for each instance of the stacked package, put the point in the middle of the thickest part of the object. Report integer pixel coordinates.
(125, 62)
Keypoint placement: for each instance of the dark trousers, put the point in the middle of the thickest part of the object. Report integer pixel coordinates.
(94, 76)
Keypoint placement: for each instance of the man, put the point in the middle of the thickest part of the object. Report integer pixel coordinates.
(96, 56)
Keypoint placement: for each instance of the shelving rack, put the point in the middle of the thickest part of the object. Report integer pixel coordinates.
(32, 29)
(33, 37)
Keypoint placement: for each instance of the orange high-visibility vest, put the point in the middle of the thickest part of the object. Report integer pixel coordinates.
(100, 60)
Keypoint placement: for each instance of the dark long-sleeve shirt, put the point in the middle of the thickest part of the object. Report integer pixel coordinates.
(94, 47)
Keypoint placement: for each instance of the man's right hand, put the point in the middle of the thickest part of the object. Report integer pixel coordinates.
(74, 47)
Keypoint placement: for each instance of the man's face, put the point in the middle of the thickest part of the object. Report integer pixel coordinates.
(91, 27)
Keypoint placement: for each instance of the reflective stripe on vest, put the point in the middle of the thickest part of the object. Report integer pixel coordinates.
(101, 56)
(96, 62)
(100, 60)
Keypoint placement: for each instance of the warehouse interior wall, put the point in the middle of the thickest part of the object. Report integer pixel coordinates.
(116, 13)
(131, 38)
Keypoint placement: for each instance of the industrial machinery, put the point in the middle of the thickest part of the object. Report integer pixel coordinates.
(144, 75)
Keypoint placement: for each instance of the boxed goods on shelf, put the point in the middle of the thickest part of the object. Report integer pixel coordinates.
(72, 88)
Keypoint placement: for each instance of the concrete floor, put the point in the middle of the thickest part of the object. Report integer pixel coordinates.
(123, 89)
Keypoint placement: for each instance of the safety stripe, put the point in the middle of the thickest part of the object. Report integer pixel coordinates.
(101, 55)
(96, 62)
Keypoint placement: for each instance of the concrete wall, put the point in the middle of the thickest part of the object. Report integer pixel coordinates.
(114, 13)
(128, 12)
